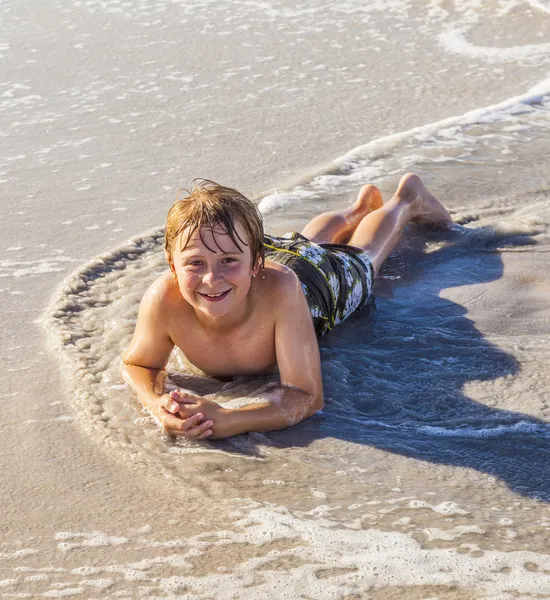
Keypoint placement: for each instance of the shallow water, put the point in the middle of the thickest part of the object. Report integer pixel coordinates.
(426, 475)
(449, 371)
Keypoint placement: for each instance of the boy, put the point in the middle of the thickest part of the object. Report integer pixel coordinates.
(238, 302)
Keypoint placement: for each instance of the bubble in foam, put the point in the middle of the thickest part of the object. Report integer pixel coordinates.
(86, 571)
(444, 508)
(38, 577)
(434, 533)
(93, 539)
(144, 529)
(402, 522)
(18, 553)
(100, 584)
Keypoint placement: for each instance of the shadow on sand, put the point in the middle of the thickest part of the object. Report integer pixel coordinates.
(397, 381)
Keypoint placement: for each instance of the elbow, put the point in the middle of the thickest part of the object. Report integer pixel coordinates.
(123, 370)
(125, 362)
(317, 405)
(127, 369)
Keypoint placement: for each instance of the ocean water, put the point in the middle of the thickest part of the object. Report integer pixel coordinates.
(427, 473)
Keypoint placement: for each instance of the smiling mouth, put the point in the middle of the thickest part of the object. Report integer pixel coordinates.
(214, 297)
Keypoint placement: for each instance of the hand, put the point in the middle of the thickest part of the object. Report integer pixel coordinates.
(187, 406)
(192, 427)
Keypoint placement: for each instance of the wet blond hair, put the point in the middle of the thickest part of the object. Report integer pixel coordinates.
(210, 204)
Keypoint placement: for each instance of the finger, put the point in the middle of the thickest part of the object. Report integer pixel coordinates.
(200, 431)
(175, 395)
(186, 411)
(176, 427)
(192, 421)
(172, 406)
(170, 423)
(174, 402)
(204, 435)
(184, 397)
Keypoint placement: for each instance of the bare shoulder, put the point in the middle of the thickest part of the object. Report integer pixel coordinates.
(283, 285)
(162, 293)
(152, 342)
(162, 302)
(281, 279)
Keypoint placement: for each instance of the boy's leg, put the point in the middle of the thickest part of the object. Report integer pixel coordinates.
(379, 231)
(337, 227)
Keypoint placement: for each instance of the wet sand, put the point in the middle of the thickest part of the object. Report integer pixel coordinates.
(106, 113)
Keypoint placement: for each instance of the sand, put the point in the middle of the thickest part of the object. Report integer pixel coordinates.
(107, 110)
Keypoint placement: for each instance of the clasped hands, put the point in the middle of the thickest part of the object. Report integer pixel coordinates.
(193, 417)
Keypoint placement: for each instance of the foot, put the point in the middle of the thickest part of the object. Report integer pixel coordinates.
(337, 227)
(425, 208)
(368, 199)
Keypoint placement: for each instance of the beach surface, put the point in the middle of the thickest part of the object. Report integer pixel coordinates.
(427, 475)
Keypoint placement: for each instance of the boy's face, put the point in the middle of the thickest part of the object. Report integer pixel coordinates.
(214, 275)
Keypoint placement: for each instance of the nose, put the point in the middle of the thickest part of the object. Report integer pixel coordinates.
(211, 275)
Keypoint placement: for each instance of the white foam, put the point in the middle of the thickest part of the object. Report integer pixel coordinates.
(444, 508)
(454, 40)
(542, 5)
(276, 201)
(359, 560)
(100, 584)
(486, 114)
(18, 553)
(144, 529)
(20, 268)
(39, 577)
(434, 533)
(459, 431)
(87, 571)
(92, 539)
(65, 593)
(358, 166)
(4, 47)
(59, 419)
(484, 432)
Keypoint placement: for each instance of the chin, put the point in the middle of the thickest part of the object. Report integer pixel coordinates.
(215, 309)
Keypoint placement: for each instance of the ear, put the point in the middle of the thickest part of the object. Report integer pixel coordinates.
(257, 266)
(170, 262)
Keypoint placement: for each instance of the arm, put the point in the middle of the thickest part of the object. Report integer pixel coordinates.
(297, 350)
(144, 362)
(301, 392)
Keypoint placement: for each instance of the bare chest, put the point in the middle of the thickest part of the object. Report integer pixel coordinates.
(247, 351)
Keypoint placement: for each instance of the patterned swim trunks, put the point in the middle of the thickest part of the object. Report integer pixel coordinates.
(337, 279)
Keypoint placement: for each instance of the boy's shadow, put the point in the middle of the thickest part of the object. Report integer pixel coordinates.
(397, 381)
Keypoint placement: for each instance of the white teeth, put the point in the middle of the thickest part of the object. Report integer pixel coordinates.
(215, 295)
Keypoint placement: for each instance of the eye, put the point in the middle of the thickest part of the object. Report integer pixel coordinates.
(229, 259)
(194, 263)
